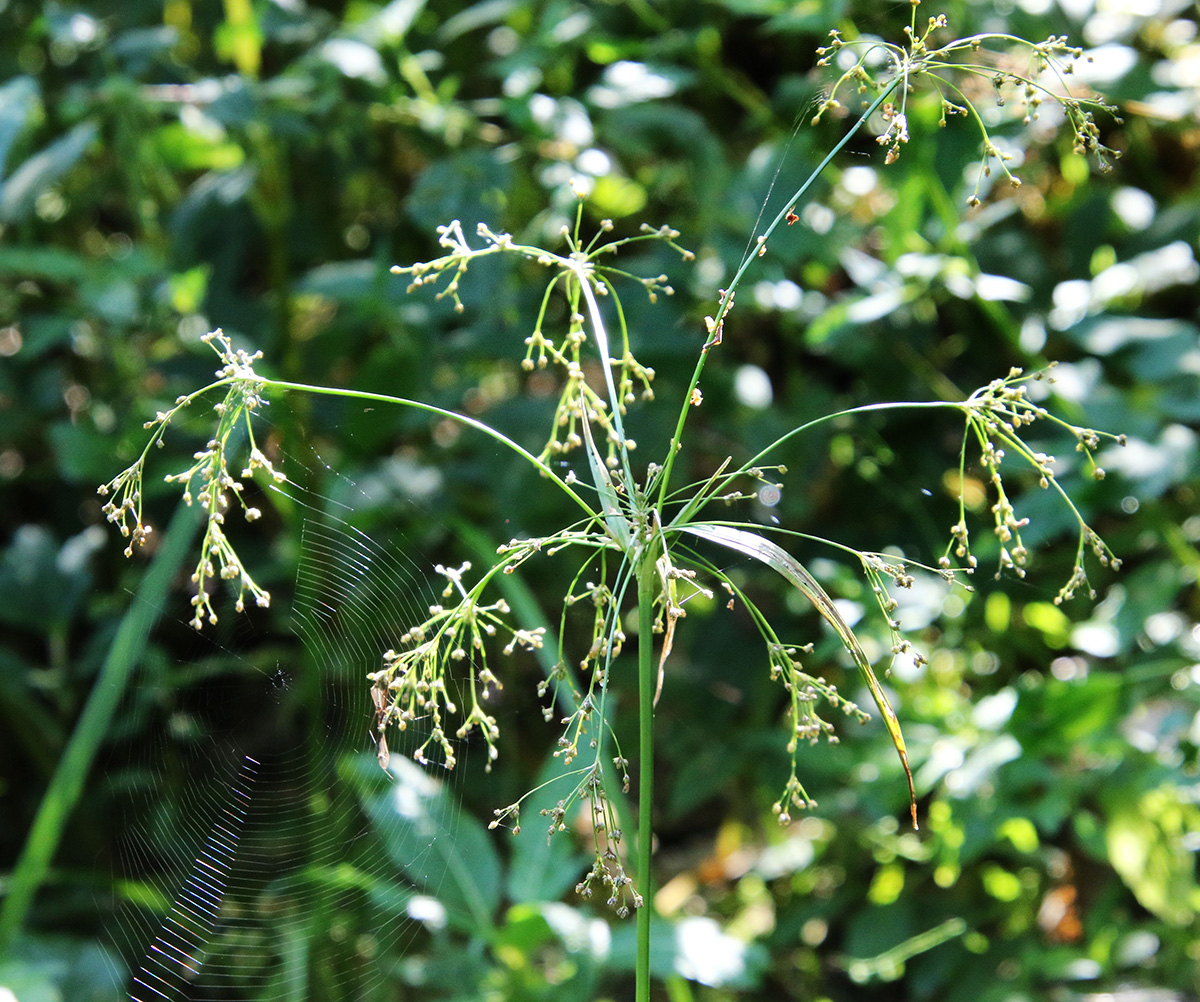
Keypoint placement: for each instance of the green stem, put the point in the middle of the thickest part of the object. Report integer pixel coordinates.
(645, 838)
(751, 256)
(719, 484)
(383, 398)
(67, 784)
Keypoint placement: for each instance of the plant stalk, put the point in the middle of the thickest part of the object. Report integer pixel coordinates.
(645, 835)
(726, 302)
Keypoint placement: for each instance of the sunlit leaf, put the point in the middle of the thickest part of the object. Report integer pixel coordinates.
(1146, 846)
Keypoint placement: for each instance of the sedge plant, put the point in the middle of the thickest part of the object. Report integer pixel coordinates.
(640, 540)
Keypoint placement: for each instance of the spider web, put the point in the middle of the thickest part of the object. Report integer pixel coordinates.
(268, 856)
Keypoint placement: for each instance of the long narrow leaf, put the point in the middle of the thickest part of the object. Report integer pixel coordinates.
(618, 525)
(791, 570)
(65, 788)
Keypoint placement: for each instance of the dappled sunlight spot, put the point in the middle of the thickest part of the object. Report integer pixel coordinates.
(565, 117)
(1069, 669)
(354, 59)
(413, 789)
(1164, 627)
(1001, 288)
(782, 295)
(1106, 64)
(521, 81)
(626, 82)
(1071, 301)
(906, 667)
(752, 387)
(705, 953)
(1154, 464)
(1127, 282)
(994, 711)
(1098, 639)
(1118, 19)
(1074, 382)
(981, 765)
(945, 755)
(819, 218)
(430, 912)
(859, 180)
(921, 603)
(793, 855)
(849, 610)
(954, 605)
(594, 162)
(1134, 207)
(578, 932)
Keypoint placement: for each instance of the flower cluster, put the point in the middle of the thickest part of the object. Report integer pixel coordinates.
(415, 681)
(997, 416)
(582, 263)
(805, 692)
(209, 477)
(1036, 71)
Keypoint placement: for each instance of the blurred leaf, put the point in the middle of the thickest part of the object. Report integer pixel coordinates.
(467, 186)
(617, 197)
(443, 852)
(18, 99)
(26, 982)
(1145, 840)
(186, 149)
(19, 193)
(39, 733)
(49, 263)
(239, 39)
(187, 288)
(83, 455)
(1050, 621)
(543, 868)
(42, 583)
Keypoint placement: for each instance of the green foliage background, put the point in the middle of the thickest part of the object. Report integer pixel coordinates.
(258, 166)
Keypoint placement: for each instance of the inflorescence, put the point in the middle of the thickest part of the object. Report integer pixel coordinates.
(208, 481)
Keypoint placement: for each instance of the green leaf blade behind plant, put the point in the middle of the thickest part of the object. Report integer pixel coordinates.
(544, 868)
(791, 570)
(444, 853)
(41, 170)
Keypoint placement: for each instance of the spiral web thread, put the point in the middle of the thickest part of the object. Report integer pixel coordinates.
(177, 953)
(249, 897)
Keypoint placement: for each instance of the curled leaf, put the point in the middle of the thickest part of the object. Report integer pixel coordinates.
(790, 569)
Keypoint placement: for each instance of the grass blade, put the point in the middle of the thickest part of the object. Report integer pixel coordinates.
(614, 517)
